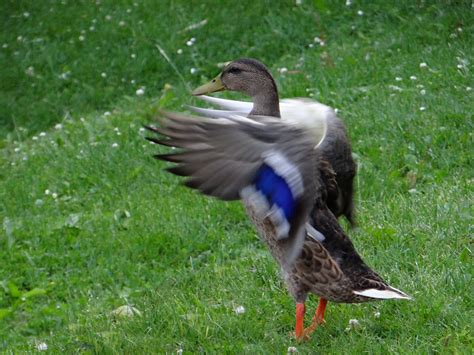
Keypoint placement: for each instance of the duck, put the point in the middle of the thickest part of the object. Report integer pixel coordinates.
(276, 168)
(252, 78)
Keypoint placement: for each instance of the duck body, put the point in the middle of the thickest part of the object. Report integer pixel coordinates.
(275, 169)
(280, 170)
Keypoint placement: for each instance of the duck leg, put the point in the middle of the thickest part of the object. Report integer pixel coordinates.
(318, 318)
(299, 329)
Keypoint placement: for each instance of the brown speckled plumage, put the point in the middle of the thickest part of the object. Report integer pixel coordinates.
(331, 269)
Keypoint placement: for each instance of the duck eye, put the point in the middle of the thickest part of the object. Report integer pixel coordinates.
(234, 71)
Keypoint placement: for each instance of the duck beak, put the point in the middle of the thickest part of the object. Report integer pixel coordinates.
(212, 86)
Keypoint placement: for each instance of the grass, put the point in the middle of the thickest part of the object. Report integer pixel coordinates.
(91, 223)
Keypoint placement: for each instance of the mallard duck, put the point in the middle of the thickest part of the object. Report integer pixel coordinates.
(252, 78)
(275, 167)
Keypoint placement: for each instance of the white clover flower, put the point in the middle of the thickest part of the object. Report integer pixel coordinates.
(298, 2)
(423, 92)
(92, 28)
(189, 43)
(133, 55)
(291, 350)
(398, 78)
(239, 310)
(5, 45)
(468, 88)
(413, 77)
(47, 192)
(133, 82)
(377, 314)
(319, 41)
(16, 150)
(54, 195)
(412, 191)
(283, 70)
(30, 71)
(42, 134)
(115, 145)
(179, 352)
(104, 75)
(39, 202)
(353, 324)
(141, 130)
(179, 51)
(459, 66)
(42, 346)
(193, 70)
(422, 108)
(348, 2)
(395, 88)
(122, 23)
(423, 65)
(64, 76)
(360, 12)
(107, 113)
(34, 138)
(82, 38)
(129, 10)
(126, 311)
(108, 17)
(310, 45)
(26, 14)
(58, 126)
(140, 91)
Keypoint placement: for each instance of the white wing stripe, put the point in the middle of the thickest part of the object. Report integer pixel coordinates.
(288, 171)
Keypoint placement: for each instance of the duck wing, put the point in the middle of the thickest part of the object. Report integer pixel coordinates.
(335, 148)
(266, 162)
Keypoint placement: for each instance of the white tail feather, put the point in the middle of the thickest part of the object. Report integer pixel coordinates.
(391, 293)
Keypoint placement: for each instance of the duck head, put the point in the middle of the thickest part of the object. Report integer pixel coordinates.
(250, 77)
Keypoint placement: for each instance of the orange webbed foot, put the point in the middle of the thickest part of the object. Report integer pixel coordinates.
(318, 318)
(301, 333)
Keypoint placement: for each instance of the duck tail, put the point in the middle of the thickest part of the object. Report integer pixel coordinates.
(388, 293)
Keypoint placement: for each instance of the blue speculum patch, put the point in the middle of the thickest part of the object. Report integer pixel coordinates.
(275, 189)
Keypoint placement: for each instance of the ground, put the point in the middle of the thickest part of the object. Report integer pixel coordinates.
(90, 222)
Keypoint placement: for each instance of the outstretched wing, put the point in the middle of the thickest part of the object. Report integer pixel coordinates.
(266, 162)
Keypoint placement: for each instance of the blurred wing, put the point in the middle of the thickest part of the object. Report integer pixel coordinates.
(265, 162)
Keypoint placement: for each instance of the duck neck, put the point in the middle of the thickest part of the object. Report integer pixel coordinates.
(266, 103)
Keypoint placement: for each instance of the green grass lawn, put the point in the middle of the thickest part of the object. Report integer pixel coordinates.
(90, 222)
